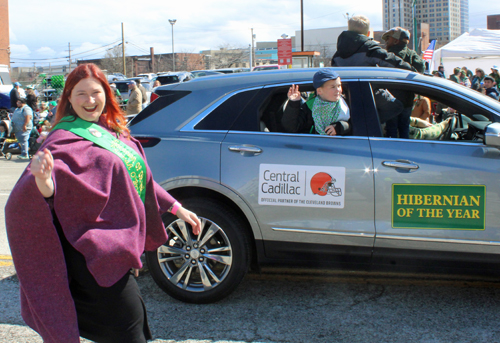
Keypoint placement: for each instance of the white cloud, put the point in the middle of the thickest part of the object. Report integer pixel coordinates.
(45, 52)
(19, 51)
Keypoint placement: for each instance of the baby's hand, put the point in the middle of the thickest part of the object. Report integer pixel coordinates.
(293, 93)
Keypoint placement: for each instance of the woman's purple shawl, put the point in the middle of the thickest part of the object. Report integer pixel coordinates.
(102, 216)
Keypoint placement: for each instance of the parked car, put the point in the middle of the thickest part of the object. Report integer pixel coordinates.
(361, 201)
(269, 67)
(174, 77)
(232, 70)
(148, 76)
(201, 73)
(122, 86)
(116, 77)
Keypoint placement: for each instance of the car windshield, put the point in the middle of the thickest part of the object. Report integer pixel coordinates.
(167, 79)
(122, 87)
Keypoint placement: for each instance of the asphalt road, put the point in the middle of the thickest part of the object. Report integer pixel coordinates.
(292, 305)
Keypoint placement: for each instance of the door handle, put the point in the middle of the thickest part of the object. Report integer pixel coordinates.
(246, 149)
(401, 164)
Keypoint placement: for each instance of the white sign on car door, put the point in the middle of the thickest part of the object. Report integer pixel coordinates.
(302, 186)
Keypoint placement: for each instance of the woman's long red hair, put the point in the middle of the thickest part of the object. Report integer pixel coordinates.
(112, 116)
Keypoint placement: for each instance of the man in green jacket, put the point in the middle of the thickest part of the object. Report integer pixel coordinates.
(396, 40)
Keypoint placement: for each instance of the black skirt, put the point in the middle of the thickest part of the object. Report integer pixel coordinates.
(113, 314)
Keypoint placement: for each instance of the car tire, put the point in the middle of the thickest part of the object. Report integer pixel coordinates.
(205, 268)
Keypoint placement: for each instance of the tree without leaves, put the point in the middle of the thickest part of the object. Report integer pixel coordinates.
(113, 60)
(229, 57)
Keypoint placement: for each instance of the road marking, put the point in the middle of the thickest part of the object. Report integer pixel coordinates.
(6, 260)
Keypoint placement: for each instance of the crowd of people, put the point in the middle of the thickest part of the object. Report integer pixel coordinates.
(29, 118)
(488, 84)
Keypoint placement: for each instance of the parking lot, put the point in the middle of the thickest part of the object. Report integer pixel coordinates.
(295, 305)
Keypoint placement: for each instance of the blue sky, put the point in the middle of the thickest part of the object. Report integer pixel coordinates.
(41, 33)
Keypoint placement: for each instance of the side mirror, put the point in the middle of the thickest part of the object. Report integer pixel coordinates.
(492, 135)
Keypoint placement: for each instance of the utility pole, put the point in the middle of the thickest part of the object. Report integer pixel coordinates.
(252, 51)
(301, 25)
(123, 53)
(69, 51)
(414, 15)
(250, 54)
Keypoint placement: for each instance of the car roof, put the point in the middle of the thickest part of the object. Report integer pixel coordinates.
(247, 80)
(236, 81)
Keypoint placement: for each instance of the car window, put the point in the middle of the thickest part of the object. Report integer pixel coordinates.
(224, 115)
(122, 87)
(266, 110)
(467, 117)
(168, 79)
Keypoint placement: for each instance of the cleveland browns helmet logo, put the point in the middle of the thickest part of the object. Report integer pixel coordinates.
(323, 184)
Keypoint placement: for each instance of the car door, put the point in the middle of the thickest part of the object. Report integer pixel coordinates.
(311, 194)
(434, 195)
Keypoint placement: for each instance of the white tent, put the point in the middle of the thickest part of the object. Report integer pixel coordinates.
(478, 49)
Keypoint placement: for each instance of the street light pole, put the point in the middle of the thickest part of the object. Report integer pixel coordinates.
(172, 22)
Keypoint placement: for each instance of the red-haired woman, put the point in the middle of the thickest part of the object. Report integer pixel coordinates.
(93, 209)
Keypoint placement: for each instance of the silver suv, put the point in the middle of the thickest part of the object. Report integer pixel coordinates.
(174, 77)
(361, 201)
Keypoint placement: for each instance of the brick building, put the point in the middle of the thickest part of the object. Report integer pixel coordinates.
(4, 32)
(493, 22)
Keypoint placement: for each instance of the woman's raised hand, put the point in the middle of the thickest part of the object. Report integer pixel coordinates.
(293, 93)
(42, 164)
(41, 168)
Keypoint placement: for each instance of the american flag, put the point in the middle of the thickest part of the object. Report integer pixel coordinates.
(430, 51)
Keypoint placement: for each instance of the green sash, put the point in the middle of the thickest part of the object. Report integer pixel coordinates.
(133, 161)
